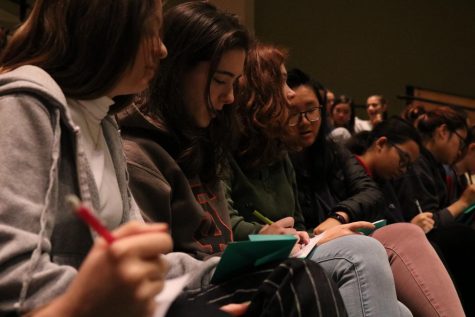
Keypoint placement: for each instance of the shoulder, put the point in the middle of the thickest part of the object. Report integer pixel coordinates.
(362, 125)
(340, 134)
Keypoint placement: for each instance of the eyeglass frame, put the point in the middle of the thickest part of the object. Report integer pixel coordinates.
(463, 142)
(404, 157)
(304, 113)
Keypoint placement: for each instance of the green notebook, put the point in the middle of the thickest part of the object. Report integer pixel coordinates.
(243, 256)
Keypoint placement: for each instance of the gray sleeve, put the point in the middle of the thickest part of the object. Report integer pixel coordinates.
(26, 143)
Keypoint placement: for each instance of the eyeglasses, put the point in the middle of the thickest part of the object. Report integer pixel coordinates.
(404, 158)
(312, 115)
(462, 144)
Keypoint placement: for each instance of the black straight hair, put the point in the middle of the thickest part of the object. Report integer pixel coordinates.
(395, 129)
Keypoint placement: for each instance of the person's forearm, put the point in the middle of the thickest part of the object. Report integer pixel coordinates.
(457, 208)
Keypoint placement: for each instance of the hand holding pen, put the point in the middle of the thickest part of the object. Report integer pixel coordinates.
(425, 220)
(121, 274)
(282, 226)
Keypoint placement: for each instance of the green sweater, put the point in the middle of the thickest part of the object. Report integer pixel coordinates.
(271, 190)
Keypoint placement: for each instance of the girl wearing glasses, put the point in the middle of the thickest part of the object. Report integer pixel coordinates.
(262, 178)
(461, 174)
(334, 189)
(176, 138)
(443, 133)
(453, 242)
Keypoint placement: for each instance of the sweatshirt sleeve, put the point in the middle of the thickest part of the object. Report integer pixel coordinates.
(26, 202)
(162, 191)
(364, 200)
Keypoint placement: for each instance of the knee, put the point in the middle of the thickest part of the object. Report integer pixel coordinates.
(358, 248)
(400, 233)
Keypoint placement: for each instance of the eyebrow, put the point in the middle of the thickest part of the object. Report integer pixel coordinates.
(226, 73)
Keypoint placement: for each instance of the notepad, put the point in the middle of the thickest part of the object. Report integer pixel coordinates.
(307, 249)
(243, 256)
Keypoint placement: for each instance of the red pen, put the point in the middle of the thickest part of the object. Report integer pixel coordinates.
(88, 217)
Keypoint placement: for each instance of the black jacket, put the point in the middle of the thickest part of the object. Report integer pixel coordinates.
(425, 182)
(344, 187)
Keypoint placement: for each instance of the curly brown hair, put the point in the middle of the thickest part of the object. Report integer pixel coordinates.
(263, 109)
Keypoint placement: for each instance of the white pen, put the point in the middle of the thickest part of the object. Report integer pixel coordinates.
(418, 206)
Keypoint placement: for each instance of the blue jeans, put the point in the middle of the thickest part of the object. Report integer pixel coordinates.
(359, 265)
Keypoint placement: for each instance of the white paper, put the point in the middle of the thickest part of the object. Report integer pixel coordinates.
(305, 251)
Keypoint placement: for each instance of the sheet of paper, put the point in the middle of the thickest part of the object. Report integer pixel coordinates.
(170, 292)
(305, 251)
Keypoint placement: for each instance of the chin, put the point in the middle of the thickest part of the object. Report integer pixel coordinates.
(306, 142)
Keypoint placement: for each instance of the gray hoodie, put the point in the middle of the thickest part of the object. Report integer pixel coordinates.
(42, 243)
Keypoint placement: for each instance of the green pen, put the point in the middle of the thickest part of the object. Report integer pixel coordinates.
(262, 218)
(469, 209)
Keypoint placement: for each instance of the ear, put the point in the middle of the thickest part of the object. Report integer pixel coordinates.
(381, 142)
(442, 132)
(471, 148)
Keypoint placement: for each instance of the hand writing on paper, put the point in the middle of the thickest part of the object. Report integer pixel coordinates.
(344, 230)
(424, 220)
(119, 279)
(282, 226)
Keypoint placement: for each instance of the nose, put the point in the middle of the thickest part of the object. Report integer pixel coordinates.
(162, 51)
(228, 97)
(289, 93)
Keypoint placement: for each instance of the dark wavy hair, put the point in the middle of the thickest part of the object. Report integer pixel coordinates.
(85, 45)
(395, 129)
(412, 113)
(263, 109)
(195, 32)
(431, 120)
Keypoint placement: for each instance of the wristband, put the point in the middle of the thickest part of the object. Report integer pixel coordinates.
(338, 217)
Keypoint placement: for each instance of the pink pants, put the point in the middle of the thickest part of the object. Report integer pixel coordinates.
(422, 282)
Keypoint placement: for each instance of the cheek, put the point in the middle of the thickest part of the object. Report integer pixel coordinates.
(388, 165)
(214, 94)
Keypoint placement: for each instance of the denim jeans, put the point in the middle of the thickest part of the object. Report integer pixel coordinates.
(359, 265)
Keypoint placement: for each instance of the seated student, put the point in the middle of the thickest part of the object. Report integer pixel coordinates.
(57, 79)
(175, 140)
(386, 153)
(377, 110)
(262, 178)
(332, 184)
(459, 176)
(342, 115)
(443, 133)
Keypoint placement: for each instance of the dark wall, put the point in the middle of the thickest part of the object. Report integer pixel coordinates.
(361, 47)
